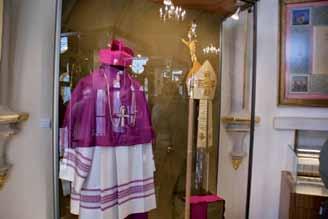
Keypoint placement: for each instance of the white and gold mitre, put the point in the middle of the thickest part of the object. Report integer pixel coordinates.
(202, 84)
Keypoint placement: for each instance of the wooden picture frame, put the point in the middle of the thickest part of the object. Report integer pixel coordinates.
(303, 73)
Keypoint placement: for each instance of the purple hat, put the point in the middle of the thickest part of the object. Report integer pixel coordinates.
(117, 54)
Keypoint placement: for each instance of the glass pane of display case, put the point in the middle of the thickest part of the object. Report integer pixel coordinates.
(123, 108)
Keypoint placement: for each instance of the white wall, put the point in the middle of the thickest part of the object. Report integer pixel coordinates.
(28, 193)
(232, 184)
(271, 153)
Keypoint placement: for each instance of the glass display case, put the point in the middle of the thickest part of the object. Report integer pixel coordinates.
(126, 71)
(131, 53)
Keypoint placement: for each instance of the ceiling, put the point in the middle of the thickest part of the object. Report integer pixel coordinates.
(223, 7)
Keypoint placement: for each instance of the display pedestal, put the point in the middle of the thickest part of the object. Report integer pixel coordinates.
(215, 210)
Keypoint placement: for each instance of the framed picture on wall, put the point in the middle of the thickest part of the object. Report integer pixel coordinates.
(303, 53)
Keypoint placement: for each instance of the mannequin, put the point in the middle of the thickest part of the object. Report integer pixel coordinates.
(106, 140)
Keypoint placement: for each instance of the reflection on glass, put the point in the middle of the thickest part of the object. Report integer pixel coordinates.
(63, 44)
(160, 65)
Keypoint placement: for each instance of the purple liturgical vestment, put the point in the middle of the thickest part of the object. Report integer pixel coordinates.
(95, 118)
(106, 143)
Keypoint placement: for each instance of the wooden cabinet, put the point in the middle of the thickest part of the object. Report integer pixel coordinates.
(299, 201)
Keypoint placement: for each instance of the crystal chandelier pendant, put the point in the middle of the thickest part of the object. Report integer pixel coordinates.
(171, 12)
(211, 50)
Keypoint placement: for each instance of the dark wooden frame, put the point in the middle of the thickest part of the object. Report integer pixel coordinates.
(283, 99)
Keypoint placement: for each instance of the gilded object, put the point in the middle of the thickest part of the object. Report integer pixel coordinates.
(239, 119)
(236, 161)
(13, 118)
(201, 85)
(238, 126)
(207, 84)
(3, 180)
(191, 43)
(204, 82)
(204, 86)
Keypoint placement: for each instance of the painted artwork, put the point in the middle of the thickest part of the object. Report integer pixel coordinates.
(299, 84)
(304, 52)
(301, 16)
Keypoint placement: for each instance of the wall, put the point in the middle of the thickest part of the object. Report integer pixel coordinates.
(232, 184)
(28, 193)
(271, 152)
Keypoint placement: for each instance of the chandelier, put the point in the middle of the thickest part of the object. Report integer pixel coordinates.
(211, 50)
(170, 11)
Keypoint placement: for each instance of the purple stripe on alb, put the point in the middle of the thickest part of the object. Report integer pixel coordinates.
(117, 186)
(75, 199)
(78, 163)
(70, 163)
(116, 203)
(77, 171)
(131, 190)
(127, 192)
(91, 208)
(117, 195)
(84, 157)
(77, 155)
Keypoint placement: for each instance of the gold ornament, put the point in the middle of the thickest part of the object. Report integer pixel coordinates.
(3, 180)
(236, 162)
(191, 43)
